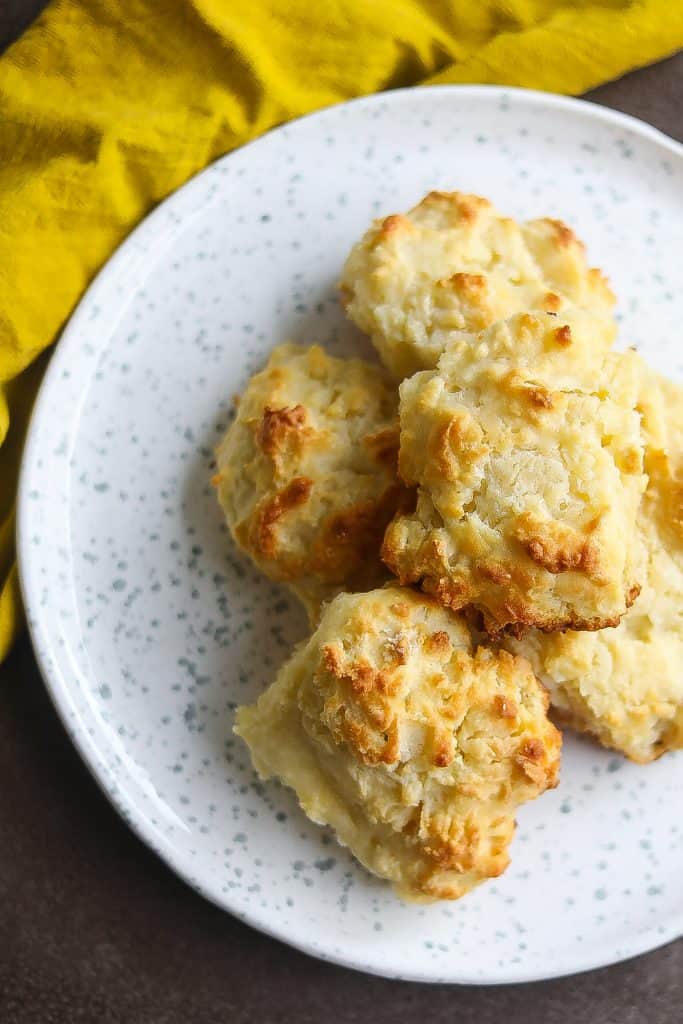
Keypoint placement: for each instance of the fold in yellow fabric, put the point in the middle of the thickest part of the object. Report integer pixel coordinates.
(107, 106)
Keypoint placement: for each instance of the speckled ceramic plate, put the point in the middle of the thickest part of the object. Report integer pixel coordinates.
(150, 627)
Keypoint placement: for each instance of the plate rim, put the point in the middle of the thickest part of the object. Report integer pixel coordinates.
(41, 628)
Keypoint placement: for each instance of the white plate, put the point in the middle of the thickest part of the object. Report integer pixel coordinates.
(149, 626)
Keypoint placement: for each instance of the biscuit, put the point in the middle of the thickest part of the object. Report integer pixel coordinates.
(455, 264)
(415, 747)
(307, 471)
(527, 450)
(625, 685)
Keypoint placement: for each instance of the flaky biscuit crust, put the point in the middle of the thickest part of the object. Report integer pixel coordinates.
(306, 474)
(454, 264)
(625, 685)
(413, 745)
(526, 449)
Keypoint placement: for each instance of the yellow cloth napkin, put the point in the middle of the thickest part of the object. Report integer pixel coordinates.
(107, 106)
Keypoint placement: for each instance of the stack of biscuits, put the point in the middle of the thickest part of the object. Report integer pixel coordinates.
(488, 524)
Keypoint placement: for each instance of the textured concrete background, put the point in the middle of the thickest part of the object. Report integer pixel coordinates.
(93, 928)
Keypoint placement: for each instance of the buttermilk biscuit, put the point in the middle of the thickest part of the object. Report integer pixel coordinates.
(412, 745)
(625, 685)
(307, 472)
(527, 450)
(455, 264)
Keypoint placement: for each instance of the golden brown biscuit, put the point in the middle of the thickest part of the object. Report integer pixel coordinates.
(416, 748)
(307, 472)
(625, 685)
(526, 447)
(455, 264)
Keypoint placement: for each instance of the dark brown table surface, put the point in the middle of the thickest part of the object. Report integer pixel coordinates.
(94, 928)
